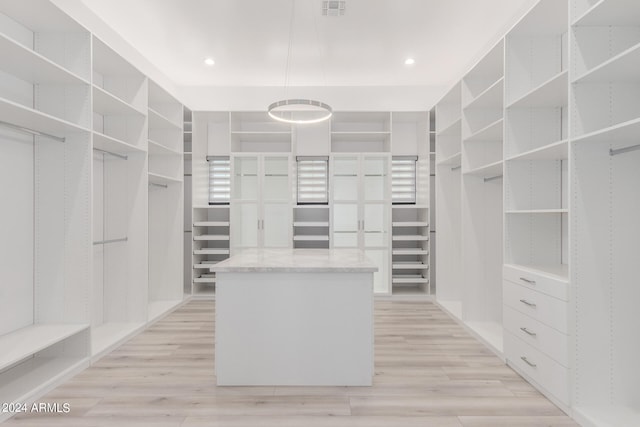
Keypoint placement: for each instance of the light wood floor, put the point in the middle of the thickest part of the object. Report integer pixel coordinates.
(428, 372)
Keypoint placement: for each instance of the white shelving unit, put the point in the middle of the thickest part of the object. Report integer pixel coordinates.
(211, 227)
(311, 226)
(410, 250)
(357, 132)
(44, 332)
(166, 199)
(536, 199)
(481, 216)
(187, 147)
(448, 194)
(603, 165)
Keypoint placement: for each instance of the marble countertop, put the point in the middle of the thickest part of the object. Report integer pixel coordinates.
(297, 261)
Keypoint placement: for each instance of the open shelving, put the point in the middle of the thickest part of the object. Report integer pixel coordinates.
(45, 150)
(211, 231)
(166, 199)
(410, 250)
(358, 132)
(311, 226)
(256, 132)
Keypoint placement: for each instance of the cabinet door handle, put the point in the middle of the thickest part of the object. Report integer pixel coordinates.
(533, 365)
(258, 224)
(525, 302)
(531, 282)
(528, 332)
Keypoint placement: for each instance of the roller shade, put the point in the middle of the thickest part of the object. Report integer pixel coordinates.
(219, 180)
(403, 180)
(313, 180)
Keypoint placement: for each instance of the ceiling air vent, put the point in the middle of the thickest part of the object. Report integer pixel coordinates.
(333, 8)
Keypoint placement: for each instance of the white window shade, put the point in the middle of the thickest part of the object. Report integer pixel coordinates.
(403, 180)
(219, 180)
(313, 180)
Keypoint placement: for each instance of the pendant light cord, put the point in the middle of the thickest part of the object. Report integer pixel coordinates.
(290, 47)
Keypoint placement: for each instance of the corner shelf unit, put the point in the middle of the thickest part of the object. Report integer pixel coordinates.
(210, 245)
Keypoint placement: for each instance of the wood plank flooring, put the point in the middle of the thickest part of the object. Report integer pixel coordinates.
(428, 372)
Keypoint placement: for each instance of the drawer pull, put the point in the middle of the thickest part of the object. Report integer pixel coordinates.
(533, 365)
(528, 332)
(525, 302)
(531, 282)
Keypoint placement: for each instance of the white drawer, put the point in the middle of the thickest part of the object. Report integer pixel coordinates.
(540, 336)
(537, 367)
(545, 309)
(545, 283)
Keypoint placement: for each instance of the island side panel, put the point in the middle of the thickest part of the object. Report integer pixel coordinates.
(294, 329)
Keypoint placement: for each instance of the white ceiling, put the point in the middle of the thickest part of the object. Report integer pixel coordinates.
(366, 47)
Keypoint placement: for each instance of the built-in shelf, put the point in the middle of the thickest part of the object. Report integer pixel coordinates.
(414, 238)
(410, 223)
(311, 224)
(274, 136)
(32, 339)
(30, 66)
(211, 252)
(621, 68)
(158, 121)
(310, 238)
(611, 13)
(410, 251)
(552, 93)
(114, 145)
(409, 266)
(205, 278)
(454, 160)
(537, 211)
(107, 104)
(19, 115)
(409, 278)
(491, 97)
(162, 179)
(211, 224)
(361, 136)
(556, 151)
(487, 171)
(157, 148)
(210, 237)
(491, 132)
(449, 128)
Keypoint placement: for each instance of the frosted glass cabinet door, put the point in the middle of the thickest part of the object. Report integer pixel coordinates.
(345, 225)
(375, 171)
(345, 178)
(245, 183)
(276, 178)
(375, 225)
(244, 232)
(277, 225)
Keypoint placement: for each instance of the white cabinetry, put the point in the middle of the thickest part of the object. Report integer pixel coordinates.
(261, 201)
(604, 234)
(45, 220)
(360, 191)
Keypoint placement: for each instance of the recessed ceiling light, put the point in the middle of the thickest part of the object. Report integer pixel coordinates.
(209, 61)
(409, 61)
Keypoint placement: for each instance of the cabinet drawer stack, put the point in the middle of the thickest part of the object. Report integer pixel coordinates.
(536, 325)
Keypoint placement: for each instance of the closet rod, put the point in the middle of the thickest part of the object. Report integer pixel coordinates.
(153, 184)
(111, 153)
(31, 131)
(492, 178)
(613, 152)
(104, 242)
(455, 168)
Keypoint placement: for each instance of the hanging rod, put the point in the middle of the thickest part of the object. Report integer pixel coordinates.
(153, 184)
(31, 131)
(492, 178)
(455, 168)
(624, 150)
(104, 242)
(121, 156)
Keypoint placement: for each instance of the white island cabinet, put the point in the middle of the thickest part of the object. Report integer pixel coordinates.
(294, 317)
